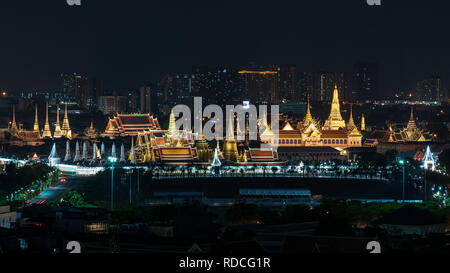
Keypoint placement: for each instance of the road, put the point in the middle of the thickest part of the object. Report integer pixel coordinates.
(58, 191)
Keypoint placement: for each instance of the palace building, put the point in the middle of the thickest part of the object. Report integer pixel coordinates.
(411, 133)
(130, 125)
(335, 132)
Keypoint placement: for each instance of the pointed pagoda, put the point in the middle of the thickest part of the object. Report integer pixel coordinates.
(14, 129)
(47, 132)
(77, 156)
(68, 156)
(230, 151)
(204, 151)
(335, 120)
(65, 129)
(363, 123)
(351, 122)
(173, 133)
(122, 153)
(412, 132)
(132, 156)
(36, 122)
(58, 133)
(53, 158)
(412, 126)
(308, 118)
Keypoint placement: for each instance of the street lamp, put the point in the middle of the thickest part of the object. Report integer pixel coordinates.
(403, 162)
(112, 160)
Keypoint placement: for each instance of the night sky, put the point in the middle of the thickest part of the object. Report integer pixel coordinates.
(130, 42)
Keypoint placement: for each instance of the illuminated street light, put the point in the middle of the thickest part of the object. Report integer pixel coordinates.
(112, 160)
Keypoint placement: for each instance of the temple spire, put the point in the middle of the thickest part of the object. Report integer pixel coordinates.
(351, 122)
(68, 156)
(36, 122)
(172, 129)
(411, 123)
(65, 126)
(363, 123)
(58, 132)
(122, 153)
(14, 128)
(335, 120)
(77, 152)
(47, 132)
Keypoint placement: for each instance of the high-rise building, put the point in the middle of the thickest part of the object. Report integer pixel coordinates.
(145, 99)
(430, 89)
(219, 85)
(112, 104)
(82, 90)
(366, 77)
(289, 84)
(261, 83)
(323, 85)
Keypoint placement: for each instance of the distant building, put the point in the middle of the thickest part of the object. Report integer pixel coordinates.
(366, 77)
(323, 84)
(430, 90)
(85, 91)
(112, 104)
(409, 134)
(261, 84)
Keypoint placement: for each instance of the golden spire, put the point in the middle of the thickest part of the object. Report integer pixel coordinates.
(58, 132)
(411, 123)
(335, 120)
(130, 157)
(172, 129)
(351, 122)
(14, 124)
(36, 122)
(363, 123)
(47, 132)
(65, 126)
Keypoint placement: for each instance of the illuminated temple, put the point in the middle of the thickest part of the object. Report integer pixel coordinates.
(335, 132)
(124, 125)
(411, 133)
(23, 137)
(179, 147)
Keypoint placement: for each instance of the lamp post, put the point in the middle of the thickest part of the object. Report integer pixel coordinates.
(112, 159)
(403, 162)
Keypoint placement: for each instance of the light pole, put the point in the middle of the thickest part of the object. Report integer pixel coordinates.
(403, 162)
(112, 159)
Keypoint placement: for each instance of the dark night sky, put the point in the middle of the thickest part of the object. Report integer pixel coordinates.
(129, 42)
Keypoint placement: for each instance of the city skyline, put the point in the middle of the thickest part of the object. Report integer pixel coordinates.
(141, 42)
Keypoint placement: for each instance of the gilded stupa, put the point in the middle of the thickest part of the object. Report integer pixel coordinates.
(36, 122)
(58, 132)
(335, 120)
(205, 153)
(65, 129)
(230, 151)
(14, 129)
(47, 133)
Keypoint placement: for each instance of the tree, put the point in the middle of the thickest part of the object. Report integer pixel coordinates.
(444, 160)
(73, 199)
